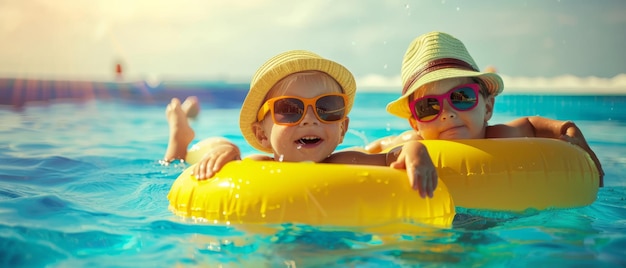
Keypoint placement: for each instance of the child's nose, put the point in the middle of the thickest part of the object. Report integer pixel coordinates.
(309, 117)
(447, 111)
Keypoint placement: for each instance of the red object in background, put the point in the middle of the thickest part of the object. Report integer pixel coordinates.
(118, 69)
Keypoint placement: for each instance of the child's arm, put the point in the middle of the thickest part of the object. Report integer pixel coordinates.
(222, 152)
(536, 126)
(413, 156)
(385, 143)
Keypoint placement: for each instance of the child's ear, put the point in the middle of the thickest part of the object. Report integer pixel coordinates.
(489, 103)
(260, 135)
(413, 123)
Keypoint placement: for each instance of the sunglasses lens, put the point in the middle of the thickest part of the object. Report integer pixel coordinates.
(288, 110)
(463, 98)
(330, 108)
(427, 109)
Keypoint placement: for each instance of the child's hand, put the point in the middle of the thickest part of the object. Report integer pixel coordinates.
(572, 134)
(215, 159)
(419, 167)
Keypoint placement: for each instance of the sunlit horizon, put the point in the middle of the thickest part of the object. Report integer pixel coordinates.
(534, 43)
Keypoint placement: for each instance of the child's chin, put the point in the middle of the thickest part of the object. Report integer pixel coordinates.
(305, 157)
(454, 135)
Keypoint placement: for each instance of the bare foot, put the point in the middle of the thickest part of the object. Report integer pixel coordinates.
(181, 133)
(191, 107)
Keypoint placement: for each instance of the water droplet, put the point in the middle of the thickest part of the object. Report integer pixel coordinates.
(281, 157)
(213, 246)
(299, 146)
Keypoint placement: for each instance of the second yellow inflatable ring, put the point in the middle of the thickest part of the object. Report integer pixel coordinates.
(515, 174)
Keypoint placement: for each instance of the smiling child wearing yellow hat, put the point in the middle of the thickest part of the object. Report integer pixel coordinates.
(297, 110)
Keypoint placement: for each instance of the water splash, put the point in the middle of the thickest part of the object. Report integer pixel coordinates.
(359, 134)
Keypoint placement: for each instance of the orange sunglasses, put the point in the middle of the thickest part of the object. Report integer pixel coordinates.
(290, 110)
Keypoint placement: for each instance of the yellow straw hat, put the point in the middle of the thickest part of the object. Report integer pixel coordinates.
(436, 56)
(277, 68)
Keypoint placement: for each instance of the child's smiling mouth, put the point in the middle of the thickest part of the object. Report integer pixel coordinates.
(308, 140)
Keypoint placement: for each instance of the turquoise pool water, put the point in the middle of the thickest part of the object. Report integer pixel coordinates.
(81, 186)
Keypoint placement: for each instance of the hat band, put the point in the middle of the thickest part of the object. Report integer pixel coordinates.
(436, 65)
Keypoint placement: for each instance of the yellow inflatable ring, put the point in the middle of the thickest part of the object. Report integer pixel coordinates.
(515, 174)
(497, 174)
(337, 195)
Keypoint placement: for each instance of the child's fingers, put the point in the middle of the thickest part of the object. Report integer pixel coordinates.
(418, 182)
(569, 139)
(202, 170)
(426, 183)
(197, 171)
(432, 184)
(397, 164)
(582, 143)
(220, 162)
(435, 183)
(210, 167)
(425, 186)
(216, 162)
(421, 187)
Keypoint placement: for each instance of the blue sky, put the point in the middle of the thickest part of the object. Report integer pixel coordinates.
(203, 39)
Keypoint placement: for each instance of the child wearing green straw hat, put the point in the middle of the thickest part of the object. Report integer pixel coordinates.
(297, 110)
(445, 96)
